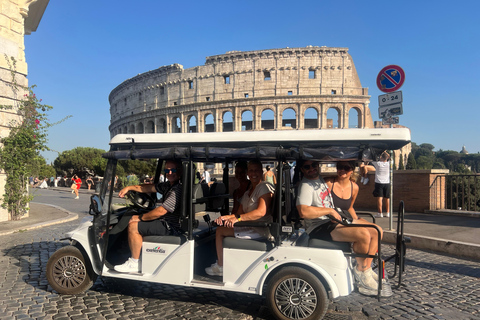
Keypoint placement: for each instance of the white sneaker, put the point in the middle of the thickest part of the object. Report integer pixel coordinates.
(372, 274)
(365, 180)
(214, 270)
(76, 197)
(379, 215)
(73, 191)
(128, 266)
(387, 215)
(362, 179)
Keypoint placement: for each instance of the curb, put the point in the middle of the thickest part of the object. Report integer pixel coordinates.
(453, 248)
(71, 216)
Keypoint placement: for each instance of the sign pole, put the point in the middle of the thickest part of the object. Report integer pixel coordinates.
(390, 209)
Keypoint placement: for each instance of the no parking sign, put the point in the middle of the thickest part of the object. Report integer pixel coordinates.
(390, 78)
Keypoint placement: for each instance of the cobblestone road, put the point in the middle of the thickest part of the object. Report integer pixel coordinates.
(435, 287)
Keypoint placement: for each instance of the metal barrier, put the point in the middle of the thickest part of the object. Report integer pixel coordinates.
(455, 192)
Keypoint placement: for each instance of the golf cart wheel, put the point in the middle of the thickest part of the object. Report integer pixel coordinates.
(68, 272)
(295, 293)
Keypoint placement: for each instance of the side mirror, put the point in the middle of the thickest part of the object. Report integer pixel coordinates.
(95, 205)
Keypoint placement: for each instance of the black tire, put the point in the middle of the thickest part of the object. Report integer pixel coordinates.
(295, 293)
(69, 272)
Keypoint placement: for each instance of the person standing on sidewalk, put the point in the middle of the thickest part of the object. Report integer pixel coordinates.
(382, 183)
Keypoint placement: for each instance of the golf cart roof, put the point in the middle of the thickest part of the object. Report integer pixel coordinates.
(323, 145)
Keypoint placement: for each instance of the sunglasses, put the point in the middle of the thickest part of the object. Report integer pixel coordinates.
(167, 171)
(308, 166)
(344, 168)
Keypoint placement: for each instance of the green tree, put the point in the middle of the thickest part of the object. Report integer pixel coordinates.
(80, 159)
(27, 137)
(401, 166)
(411, 163)
(424, 162)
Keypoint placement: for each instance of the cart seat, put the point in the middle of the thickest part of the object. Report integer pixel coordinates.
(166, 239)
(244, 244)
(305, 241)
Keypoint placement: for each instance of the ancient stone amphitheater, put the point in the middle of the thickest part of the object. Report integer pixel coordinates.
(275, 89)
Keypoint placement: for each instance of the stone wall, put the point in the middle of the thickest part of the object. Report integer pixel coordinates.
(232, 91)
(17, 18)
(411, 186)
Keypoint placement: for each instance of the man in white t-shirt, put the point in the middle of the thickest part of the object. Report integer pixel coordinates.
(205, 177)
(382, 183)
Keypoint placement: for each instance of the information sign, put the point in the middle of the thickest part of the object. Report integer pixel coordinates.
(390, 78)
(392, 120)
(390, 98)
(390, 111)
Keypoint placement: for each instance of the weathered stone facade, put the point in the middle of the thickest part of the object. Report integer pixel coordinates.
(17, 18)
(290, 88)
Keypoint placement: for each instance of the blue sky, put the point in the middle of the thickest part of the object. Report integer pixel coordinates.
(83, 49)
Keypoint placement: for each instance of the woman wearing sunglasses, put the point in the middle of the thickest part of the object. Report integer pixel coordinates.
(319, 199)
(163, 220)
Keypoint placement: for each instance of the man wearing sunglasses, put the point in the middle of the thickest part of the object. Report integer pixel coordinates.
(315, 205)
(162, 220)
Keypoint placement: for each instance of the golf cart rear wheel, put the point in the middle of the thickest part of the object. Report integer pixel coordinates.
(68, 272)
(295, 293)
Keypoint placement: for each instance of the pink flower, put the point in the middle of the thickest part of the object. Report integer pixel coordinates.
(34, 136)
(37, 121)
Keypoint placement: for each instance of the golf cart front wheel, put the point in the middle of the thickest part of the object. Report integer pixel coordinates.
(68, 272)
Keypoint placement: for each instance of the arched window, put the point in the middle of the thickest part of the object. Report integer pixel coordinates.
(354, 118)
(268, 119)
(227, 121)
(162, 126)
(176, 125)
(209, 123)
(333, 118)
(132, 129)
(311, 119)
(192, 124)
(289, 118)
(150, 127)
(247, 120)
(139, 128)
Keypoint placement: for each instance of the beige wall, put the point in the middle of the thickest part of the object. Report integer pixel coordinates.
(17, 18)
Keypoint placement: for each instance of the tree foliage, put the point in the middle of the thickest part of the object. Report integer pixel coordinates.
(81, 160)
(20, 151)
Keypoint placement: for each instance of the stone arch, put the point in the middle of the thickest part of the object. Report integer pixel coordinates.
(139, 128)
(209, 121)
(333, 116)
(267, 119)
(192, 123)
(176, 124)
(289, 118)
(125, 130)
(131, 129)
(227, 121)
(162, 126)
(355, 118)
(310, 118)
(150, 128)
(247, 120)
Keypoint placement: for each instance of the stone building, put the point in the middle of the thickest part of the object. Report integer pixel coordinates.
(290, 88)
(17, 19)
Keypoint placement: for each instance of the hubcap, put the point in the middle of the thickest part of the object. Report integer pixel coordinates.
(295, 298)
(69, 272)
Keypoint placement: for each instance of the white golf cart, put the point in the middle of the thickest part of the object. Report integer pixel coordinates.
(296, 274)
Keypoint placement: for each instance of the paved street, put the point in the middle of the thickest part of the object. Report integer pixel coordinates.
(435, 287)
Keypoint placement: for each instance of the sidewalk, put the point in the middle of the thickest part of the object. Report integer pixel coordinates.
(41, 215)
(452, 232)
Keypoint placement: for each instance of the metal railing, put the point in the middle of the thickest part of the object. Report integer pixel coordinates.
(455, 192)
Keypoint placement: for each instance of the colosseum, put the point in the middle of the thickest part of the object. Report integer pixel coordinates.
(275, 89)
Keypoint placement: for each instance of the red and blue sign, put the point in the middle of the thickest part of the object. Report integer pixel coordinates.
(390, 78)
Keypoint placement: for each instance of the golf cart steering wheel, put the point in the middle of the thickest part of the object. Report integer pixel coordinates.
(141, 200)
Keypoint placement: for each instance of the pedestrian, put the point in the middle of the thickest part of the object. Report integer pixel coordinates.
(76, 184)
(89, 182)
(205, 177)
(269, 176)
(382, 183)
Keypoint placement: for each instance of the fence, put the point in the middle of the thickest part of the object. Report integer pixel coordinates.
(455, 192)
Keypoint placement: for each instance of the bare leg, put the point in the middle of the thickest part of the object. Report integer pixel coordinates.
(135, 240)
(387, 203)
(76, 192)
(220, 234)
(379, 204)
